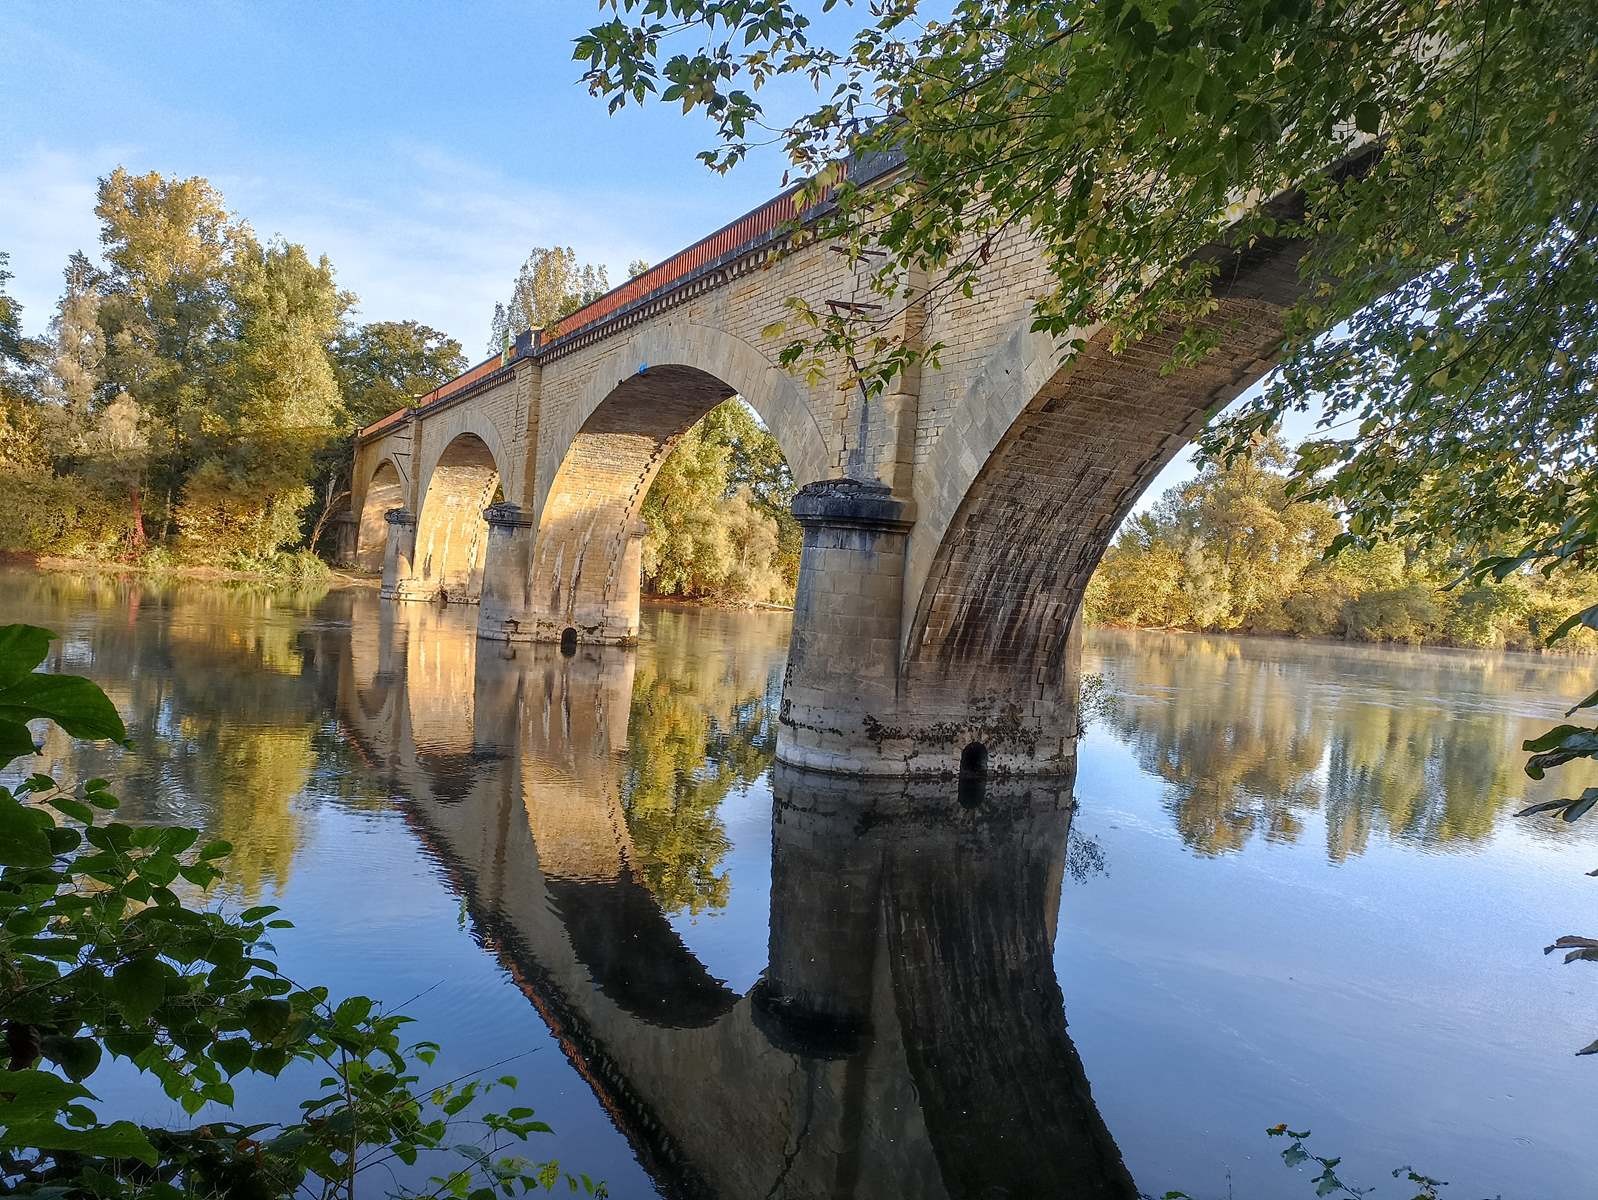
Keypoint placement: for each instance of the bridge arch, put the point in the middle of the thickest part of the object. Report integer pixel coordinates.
(1049, 460)
(451, 534)
(385, 489)
(585, 569)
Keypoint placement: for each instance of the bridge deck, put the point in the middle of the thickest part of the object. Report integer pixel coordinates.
(775, 219)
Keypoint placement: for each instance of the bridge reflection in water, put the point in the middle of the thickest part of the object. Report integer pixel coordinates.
(908, 1035)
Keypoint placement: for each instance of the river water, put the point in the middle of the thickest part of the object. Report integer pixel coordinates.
(1287, 886)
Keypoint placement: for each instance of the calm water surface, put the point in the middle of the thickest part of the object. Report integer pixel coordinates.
(1290, 890)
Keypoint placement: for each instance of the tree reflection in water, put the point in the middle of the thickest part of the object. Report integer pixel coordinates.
(204, 758)
(700, 725)
(1251, 742)
(907, 1035)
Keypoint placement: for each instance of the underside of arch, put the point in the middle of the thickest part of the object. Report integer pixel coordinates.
(451, 534)
(587, 559)
(1002, 596)
(385, 491)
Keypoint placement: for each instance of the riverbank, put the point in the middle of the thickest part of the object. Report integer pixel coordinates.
(1573, 646)
(736, 605)
(61, 564)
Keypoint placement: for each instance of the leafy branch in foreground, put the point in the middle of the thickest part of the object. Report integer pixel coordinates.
(107, 952)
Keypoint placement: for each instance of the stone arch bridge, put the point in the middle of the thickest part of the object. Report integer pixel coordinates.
(951, 525)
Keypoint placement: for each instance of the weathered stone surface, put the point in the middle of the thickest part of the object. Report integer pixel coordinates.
(399, 547)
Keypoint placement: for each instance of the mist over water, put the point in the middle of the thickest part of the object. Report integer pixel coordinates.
(1286, 885)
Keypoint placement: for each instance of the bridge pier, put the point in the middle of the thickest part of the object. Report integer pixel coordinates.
(850, 707)
(507, 582)
(843, 653)
(594, 599)
(399, 551)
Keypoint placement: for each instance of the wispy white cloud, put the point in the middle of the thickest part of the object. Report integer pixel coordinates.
(439, 238)
(47, 212)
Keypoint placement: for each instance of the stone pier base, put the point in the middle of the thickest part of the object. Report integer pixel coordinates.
(506, 604)
(598, 609)
(848, 706)
(399, 552)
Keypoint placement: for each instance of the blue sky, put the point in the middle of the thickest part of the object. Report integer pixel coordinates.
(423, 147)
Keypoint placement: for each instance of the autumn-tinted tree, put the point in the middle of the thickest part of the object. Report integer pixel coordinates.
(18, 420)
(276, 404)
(551, 284)
(1229, 550)
(386, 365)
(167, 244)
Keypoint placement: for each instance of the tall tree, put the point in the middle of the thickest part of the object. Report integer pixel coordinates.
(14, 348)
(168, 244)
(76, 381)
(550, 285)
(19, 444)
(277, 404)
(384, 366)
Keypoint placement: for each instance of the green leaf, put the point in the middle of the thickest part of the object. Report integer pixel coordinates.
(15, 742)
(77, 1057)
(1554, 737)
(73, 807)
(22, 647)
(1587, 703)
(24, 834)
(137, 987)
(1587, 617)
(72, 702)
(265, 1019)
(232, 1054)
(39, 1095)
(1581, 806)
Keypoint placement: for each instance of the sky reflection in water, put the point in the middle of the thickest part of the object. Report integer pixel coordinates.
(1292, 891)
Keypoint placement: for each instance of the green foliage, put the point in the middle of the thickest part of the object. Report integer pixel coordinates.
(1329, 1183)
(550, 285)
(1231, 550)
(717, 514)
(1406, 614)
(386, 365)
(73, 703)
(14, 348)
(204, 385)
(107, 952)
(19, 442)
(697, 735)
